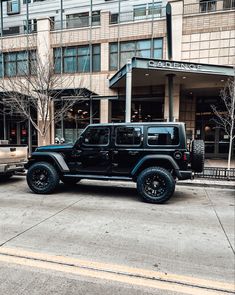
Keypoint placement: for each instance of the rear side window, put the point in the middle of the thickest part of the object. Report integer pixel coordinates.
(128, 136)
(96, 136)
(163, 136)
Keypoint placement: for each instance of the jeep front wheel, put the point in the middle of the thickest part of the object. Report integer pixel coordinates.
(155, 185)
(42, 178)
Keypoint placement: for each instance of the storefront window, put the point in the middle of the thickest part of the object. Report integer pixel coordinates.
(77, 59)
(141, 48)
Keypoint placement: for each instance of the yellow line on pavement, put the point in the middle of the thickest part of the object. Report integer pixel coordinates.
(118, 273)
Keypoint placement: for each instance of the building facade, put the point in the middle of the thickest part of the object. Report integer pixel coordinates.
(93, 41)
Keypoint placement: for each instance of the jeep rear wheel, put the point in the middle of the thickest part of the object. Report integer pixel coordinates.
(42, 178)
(70, 180)
(155, 185)
(197, 155)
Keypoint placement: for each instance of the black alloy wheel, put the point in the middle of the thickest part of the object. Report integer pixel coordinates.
(155, 185)
(42, 178)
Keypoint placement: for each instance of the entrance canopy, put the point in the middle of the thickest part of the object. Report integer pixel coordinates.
(150, 72)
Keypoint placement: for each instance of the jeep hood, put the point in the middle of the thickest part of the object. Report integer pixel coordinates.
(54, 148)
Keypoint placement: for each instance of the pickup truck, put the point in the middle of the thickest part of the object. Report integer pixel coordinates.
(12, 159)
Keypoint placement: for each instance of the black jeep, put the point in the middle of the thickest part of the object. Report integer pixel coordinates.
(153, 155)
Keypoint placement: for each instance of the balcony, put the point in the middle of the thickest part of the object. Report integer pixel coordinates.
(204, 6)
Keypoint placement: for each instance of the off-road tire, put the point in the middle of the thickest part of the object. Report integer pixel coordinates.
(197, 155)
(70, 180)
(164, 190)
(50, 174)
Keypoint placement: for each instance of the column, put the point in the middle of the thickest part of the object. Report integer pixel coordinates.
(177, 28)
(176, 100)
(128, 90)
(105, 104)
(44, 57)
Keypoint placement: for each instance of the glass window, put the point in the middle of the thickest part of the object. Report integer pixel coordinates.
(96, 58)
(19, 63)
(77, 59)
(13, 7)
(77, 20)
(70, 60)
(163, 136)
(155, 9)
(140, 11)
(128, 136)
(96, 18)
(83, 59)
(96, 136)
(139, 48)
(1, 66)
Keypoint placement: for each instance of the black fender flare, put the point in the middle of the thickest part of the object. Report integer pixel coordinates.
(156, 157)
(56, 158)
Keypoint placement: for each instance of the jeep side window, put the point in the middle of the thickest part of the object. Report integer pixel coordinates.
(96, 136)
(163, 136)
(128, 136)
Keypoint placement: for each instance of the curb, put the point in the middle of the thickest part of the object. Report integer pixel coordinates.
(203, 184)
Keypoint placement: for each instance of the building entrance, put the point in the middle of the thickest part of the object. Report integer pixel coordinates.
(216, 141)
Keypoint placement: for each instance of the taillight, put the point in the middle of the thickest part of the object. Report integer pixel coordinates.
(185, 158)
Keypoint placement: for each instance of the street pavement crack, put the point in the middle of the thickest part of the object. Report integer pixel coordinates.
(221, 225)
(40, 222)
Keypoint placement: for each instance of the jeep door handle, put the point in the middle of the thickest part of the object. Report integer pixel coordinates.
(133, 153)
(105, 154)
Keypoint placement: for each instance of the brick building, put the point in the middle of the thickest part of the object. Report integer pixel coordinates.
(94, 44)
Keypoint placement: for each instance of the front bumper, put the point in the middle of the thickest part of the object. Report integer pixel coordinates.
(12, 167)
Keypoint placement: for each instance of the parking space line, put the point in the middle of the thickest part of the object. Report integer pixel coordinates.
(113, 272)
(40, 222)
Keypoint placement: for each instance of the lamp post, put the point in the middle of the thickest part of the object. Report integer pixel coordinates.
(169, 49)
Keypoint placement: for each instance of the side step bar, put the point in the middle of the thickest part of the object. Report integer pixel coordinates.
(99, 177)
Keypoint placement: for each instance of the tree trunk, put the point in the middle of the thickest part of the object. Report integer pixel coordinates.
(231, 132)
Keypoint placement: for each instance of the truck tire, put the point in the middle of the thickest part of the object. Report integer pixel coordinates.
(197, 155)
(42, 178)
(155, 185)
(70, 180)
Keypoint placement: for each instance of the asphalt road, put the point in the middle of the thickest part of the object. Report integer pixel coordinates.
(98, 238)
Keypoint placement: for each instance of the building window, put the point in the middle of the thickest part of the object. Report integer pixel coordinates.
(96, 18)
(18, 63)
(32, 26)
(13, 6)
(80, 20)
(77, 59)
(140, 48)
(207, 6)
(147, 10)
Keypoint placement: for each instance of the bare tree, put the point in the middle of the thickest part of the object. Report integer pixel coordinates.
(37, 88)
(226, 118)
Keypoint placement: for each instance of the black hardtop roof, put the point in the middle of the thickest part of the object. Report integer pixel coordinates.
(138, 124)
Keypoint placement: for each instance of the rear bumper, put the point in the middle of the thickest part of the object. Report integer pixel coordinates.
(11, 167)
(183, 175)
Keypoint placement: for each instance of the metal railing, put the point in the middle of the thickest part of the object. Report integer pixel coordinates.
(130, 16)
(217, 173)
(205, 6)
(76, 22)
